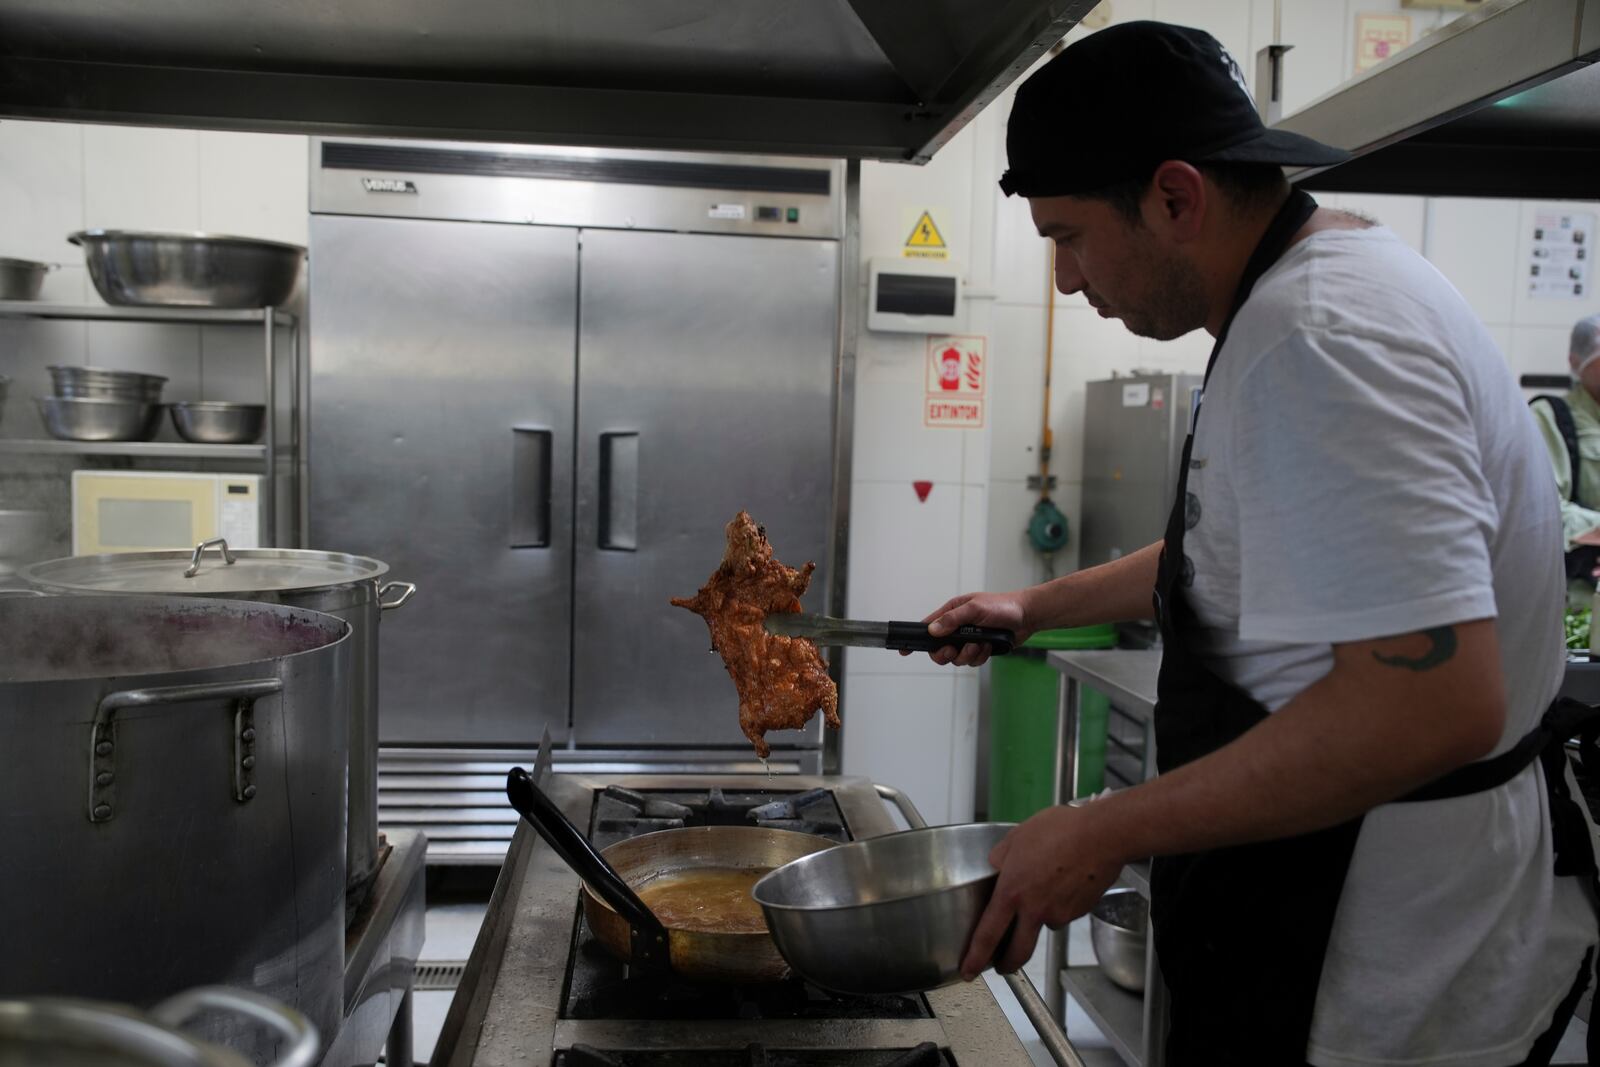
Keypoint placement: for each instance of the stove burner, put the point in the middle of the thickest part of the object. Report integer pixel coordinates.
(787, 808)
(926, 1054)
(649, 807)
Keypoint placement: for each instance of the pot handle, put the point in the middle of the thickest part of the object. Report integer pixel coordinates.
(103, 741)
(294, 1028)
(913, 817)
(407, 591)
(199, 550)
(648, 936)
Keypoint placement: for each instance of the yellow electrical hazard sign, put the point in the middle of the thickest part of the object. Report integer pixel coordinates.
(925, 241)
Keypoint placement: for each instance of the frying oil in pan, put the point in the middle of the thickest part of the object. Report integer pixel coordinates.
(713, 899)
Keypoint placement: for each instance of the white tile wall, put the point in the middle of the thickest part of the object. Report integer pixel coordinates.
(905, 553)
(898, 730)
(1474, 244)
(141, 179)
(253, 185)
(41, 193)
(1539, 349)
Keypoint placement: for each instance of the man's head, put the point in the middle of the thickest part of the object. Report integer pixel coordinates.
(1583, 354)
(1137, 147)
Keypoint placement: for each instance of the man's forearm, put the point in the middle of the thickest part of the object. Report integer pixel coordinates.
(1112, 592)
(1343, 746)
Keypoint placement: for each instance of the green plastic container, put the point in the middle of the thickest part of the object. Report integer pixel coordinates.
(1024, 693)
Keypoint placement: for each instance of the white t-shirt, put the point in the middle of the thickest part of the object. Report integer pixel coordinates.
(1365, 466)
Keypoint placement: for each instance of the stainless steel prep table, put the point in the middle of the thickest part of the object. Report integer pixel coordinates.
(1136, 1027)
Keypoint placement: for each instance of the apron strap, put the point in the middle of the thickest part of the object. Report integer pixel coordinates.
(1566, 718)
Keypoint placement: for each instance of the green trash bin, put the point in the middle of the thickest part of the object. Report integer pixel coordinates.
(1024, 693)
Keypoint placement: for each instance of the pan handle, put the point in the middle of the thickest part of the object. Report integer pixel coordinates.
(648, 936)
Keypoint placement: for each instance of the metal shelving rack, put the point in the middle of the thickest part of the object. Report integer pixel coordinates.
(269, 320)
(1135, 1026)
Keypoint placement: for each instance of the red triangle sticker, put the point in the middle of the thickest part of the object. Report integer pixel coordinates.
(923, 489)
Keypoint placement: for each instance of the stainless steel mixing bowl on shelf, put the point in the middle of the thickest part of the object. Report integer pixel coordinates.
(1118, 927)
(21, 279)
(76, 418)
(214, 422)
(138, 268)
(102, 383)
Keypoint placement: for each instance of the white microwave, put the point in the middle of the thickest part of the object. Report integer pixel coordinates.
(142, 511)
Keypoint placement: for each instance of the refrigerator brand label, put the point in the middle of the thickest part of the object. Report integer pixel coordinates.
(726, 211)
(1136, 395)
(388, 185)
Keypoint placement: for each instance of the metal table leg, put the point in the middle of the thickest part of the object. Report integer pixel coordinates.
(398, 1051)
(1066, 788)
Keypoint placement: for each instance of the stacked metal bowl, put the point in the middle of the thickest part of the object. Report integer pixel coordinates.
(95, 404)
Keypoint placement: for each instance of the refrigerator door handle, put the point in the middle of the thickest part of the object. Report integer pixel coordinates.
(530, 487)
(619, 491)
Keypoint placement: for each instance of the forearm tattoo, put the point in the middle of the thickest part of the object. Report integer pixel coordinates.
(1441, 646)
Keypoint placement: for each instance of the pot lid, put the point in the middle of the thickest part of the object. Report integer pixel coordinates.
(252, 570)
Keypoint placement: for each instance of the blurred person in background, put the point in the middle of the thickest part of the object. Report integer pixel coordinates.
(1570, 426)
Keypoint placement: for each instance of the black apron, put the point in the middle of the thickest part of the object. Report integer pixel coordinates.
(1241, 932)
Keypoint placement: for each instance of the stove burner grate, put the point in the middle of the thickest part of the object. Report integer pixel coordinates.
(926, 1054)
(622, 813)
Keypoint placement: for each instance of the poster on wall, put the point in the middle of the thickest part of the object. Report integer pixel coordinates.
(1378, 37)
(1558, 262)
(956, 376)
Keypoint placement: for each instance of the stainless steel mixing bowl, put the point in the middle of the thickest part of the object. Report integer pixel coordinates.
(76, 418)
(214, 422)
(1118, 927)
(131, 267)
(101, 383)
(890, 914)
(21, 279)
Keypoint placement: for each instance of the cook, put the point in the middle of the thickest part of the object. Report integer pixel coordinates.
(1570, 426)
(1359, 598)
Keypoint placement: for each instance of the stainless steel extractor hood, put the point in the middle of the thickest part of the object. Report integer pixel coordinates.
(1502, 102)
(878, 79)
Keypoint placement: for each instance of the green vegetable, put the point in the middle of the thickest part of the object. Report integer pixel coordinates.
(1578, 629)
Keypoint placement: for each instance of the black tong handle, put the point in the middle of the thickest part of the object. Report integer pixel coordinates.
(649, 937)
(914, 637)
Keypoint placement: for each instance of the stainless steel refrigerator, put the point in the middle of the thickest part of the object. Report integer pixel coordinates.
(1133, 431)
(541, 382)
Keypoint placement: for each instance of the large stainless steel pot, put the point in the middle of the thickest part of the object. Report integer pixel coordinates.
(345, 586)
(133, 267)
(86, 1033)
(172, 807)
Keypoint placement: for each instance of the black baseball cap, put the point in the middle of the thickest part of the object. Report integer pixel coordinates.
(1120, 101)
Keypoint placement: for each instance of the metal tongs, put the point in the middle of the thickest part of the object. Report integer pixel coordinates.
(901, 636)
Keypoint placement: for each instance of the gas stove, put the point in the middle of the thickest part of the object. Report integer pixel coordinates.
(539, 990)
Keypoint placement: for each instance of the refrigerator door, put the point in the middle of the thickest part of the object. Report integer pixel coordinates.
(705, 385)
(442, 358)
(1133, 430)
